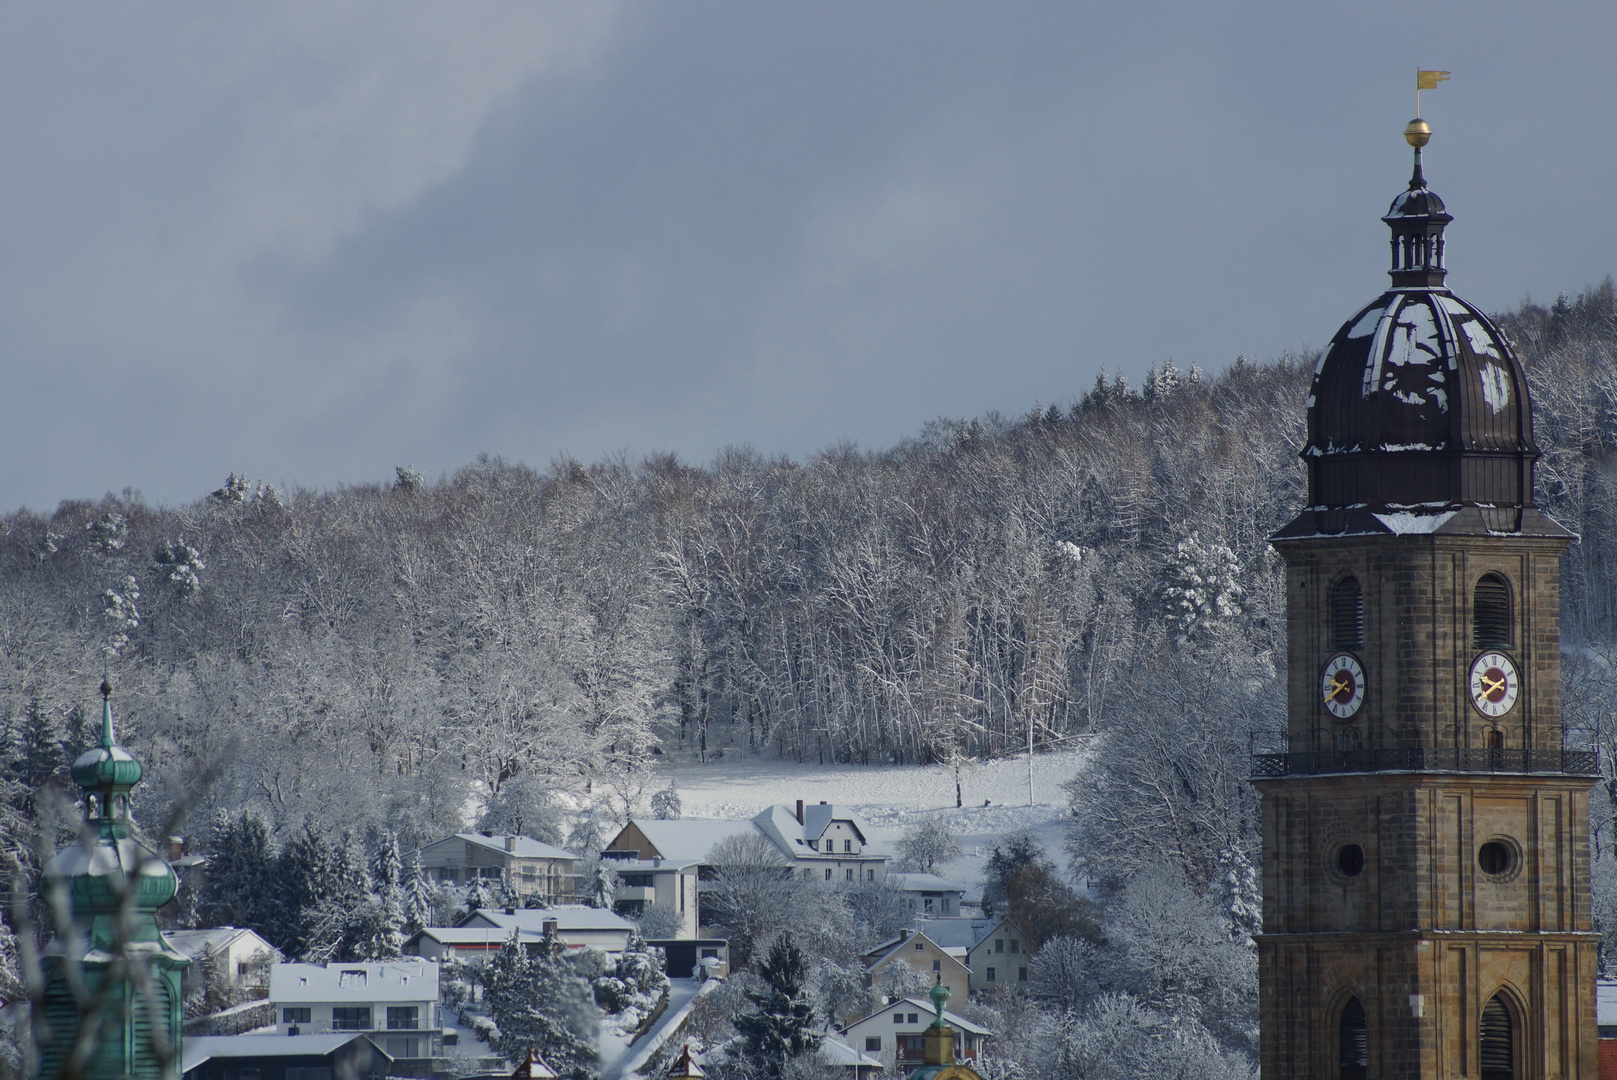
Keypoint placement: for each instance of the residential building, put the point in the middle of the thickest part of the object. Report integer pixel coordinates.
(931, 895)
(535, 868)
(341, 1055)
(483, 932)
(916, 949)
(575, 925)
(994, 949)
(896, 1034)
(664, 862)
(397, 1000)
(850, 1063)
(239, 955)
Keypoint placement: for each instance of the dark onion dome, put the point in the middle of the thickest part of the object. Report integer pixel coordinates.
(1418, 405)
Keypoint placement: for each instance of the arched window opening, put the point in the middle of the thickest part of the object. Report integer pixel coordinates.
(1490, 613)
(1498, 1057)
(1347, 614)
(1353, 1055)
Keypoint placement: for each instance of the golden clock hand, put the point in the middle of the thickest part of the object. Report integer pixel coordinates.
(1337, 687)
(1490, 685)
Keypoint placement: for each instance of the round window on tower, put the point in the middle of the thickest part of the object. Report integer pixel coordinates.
(1499, 858)
(1345, 861)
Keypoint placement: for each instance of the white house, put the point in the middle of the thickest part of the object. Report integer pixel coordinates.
(535, 868)
(995, 949)
(395, 1001)
(663, 862)
(239, 955)
(930, 894)
(895, 1034)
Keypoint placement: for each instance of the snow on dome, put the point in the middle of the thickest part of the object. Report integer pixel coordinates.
(1423, 375)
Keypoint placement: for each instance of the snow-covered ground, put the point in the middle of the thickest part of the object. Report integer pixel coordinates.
(893, 797)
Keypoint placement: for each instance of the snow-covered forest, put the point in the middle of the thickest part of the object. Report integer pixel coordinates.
(518, 649)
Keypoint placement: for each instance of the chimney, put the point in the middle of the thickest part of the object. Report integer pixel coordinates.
(822, 802)
(510, 911)
(550, 927)
(176, 847)
(800, 811)
(510, 843)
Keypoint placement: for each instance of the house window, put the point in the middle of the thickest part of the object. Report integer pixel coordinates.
(993, 975)
(353, 978)
(911, 1047)
(404, 1048)
(1347, 614)
(850, 875)
(872, 1043)
(403, 1018)
(937, 965)
(999, 944)
(870, 875)
(927, 903)
(1021, 974)
(300, 1015)
(898, 1018)
(1016, 946)
(847, 847)
(1490, 613)
(919, 946)
(808, 875)
(446, 873)
(915, 1018)
(351, 1018)
(315, 1072)
(828, 873)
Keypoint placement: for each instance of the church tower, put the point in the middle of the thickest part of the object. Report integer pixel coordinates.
(1426, 903)
(111, 1008)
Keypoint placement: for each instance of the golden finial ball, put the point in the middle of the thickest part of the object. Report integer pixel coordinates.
(1418, 133)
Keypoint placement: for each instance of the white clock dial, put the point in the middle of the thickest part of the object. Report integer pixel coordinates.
(1342, 686)
(1495, 685)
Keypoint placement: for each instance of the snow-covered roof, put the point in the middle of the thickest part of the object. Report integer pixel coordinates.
(923, 883)
(835, 1052)
(959, 933)
(472, 935)
(780, 824)
(393, 980)
(202, 1048)
(566, 916)
(925, 1015)
(902, 944)
(524, 848)
(647, 866)
(193, 942)
(1606, 1002)
(689, 839)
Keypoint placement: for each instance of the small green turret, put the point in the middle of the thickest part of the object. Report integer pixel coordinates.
(111, 1008)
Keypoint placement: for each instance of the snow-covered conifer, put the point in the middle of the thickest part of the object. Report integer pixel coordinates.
(665, 804)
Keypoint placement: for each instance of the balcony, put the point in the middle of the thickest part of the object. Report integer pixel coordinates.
(1427, 759)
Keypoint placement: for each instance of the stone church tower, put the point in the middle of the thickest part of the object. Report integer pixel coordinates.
(1425, 834)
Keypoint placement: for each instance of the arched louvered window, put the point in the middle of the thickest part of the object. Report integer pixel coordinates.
(1490, 613)
(1353, 1040)
(1498, 1057)
(1347, 615)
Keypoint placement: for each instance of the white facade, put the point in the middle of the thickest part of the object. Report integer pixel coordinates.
(535, 868)
(893, 1034)
(394, 1002)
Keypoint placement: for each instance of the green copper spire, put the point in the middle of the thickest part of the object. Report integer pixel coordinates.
(118, 1017)
(940, 994)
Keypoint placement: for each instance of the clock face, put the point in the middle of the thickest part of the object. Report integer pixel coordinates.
(1342, 685)
(1495, 685)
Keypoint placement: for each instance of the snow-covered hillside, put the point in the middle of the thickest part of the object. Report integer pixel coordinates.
(893, 797)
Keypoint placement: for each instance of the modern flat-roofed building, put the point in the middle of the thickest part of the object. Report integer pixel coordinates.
(394, 1001)
(535, 868)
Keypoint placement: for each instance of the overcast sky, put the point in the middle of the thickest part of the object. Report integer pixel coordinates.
(309, 242)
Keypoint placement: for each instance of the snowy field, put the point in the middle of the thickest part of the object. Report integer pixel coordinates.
(893, 797)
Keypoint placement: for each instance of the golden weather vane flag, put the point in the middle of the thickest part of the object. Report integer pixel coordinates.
(1427, 80)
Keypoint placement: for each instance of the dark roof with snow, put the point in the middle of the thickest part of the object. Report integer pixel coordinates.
(1418, 405)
